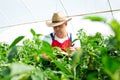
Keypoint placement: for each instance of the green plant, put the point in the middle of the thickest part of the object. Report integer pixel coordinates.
(97, 59)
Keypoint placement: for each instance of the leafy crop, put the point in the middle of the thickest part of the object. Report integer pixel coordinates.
(97, 59)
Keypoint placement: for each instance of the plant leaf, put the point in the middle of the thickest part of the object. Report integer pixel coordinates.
(52, 76)
(47, 48)
(18, 68)
(95, 18)
(62, 68)
(33, 32)
(116, 28)
(18, 39)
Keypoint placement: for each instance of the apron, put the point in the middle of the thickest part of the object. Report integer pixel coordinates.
(64, 46)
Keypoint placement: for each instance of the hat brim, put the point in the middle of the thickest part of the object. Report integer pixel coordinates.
(50, 24)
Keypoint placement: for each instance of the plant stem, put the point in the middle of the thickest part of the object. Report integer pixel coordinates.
(74, 69)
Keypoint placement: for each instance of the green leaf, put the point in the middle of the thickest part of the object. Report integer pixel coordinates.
(47, 48)
(20, 71)
(19, 68)
(33, 32)
(62, 68)
(52, 76)
(39, 35)
(11, 53)
(38, 74)
(18, 39)
(110, 65)
(95, 18)
(76, 58)
(116, 28)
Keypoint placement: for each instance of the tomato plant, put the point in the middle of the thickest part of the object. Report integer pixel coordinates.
(97, 59)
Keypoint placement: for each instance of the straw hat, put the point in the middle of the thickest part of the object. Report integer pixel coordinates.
(57, 19)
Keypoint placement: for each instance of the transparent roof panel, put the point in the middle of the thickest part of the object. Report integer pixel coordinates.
(13, 12)
(18, 16)
(40, 9)
(90, 26)
(115, 4)
(117, 15)
(85, 6)
(3, 19)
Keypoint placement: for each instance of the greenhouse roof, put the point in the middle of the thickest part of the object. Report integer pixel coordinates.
(23, 13)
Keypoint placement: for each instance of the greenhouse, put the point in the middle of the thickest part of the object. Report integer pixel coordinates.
(25, 55)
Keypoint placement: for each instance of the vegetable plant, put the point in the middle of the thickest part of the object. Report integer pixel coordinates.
(97, 59)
